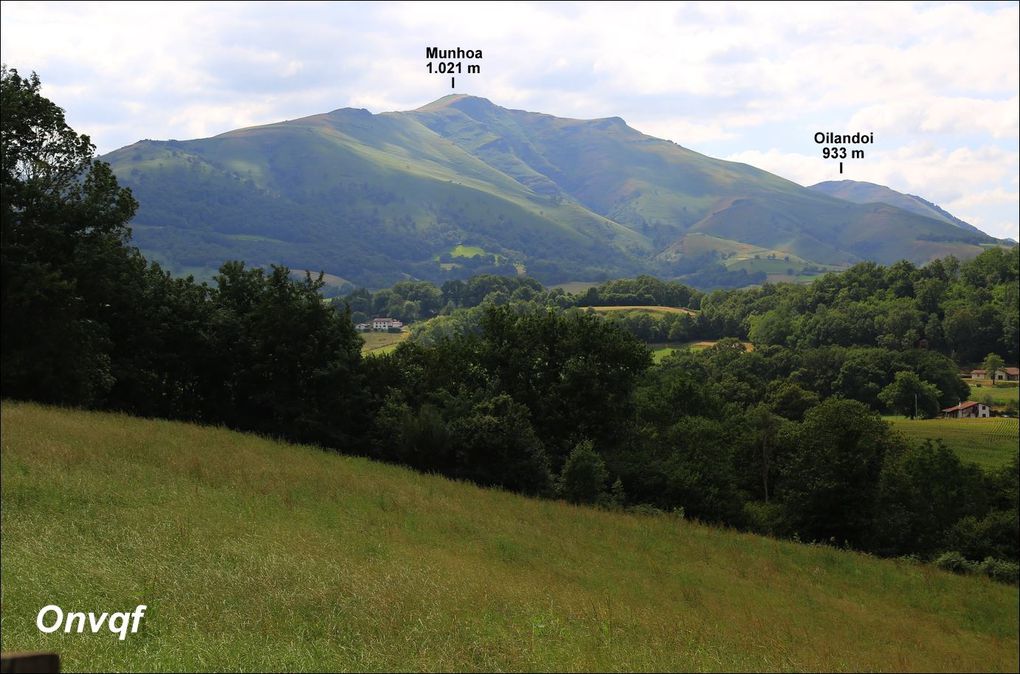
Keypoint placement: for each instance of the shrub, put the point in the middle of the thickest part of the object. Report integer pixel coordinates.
(1001, 570)
(584, 475)
(955, 562)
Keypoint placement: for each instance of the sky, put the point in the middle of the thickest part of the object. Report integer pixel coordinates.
(937, 83)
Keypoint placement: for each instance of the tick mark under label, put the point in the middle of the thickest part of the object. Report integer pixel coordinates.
(451, 62)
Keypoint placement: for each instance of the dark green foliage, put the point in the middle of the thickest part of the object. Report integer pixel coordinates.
(911, 397)
(583, 478)
(64, 228)
(996, 569)
(643, 290)
(789, 400)
(830, 468)
(963, 310)
(574, 372)
(924, 490)
(495, 444)
(285, 363)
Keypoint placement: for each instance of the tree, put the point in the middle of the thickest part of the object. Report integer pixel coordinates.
(280, 361)
(64, 234)
(789, 400)
(830, 468)
(992, 364)
(575, 373)
(496, 445)
(910, 396)
(584, 475)
(765, 427)
(923, 491)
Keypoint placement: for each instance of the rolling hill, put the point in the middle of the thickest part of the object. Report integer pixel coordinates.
(861, 192)
(257, 555)
(373, 198)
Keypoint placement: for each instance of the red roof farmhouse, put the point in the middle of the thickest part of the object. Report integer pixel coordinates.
(967, 410)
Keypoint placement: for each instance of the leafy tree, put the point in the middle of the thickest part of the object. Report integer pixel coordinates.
(789, 400)
(496, 445)
(64, 230)
(575, 373)
(583, 479)
(992, 364)
(830, 469)
(910, 396)
(923, 492)
(282, 362)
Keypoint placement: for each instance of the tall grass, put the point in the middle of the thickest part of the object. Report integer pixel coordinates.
(252, 554)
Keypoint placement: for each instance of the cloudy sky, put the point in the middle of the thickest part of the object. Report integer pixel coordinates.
(937, 83)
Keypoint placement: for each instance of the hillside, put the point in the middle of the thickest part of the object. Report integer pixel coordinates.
(252, 554)
(860, 192)
(376, 198)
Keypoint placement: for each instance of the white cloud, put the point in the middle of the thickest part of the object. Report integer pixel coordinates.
(954, 179)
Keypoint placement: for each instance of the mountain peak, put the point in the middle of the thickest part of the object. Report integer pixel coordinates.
(463, 102)
(861, 192)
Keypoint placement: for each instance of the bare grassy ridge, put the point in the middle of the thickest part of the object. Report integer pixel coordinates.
(253, 554)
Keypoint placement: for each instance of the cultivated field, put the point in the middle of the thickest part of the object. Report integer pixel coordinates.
(576, 287)
(990, 442)
(651, 310)
(382, 342)
(256, 555)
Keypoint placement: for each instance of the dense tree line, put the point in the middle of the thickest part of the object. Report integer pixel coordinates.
(965, 310)
(88, 321)
(518, 387)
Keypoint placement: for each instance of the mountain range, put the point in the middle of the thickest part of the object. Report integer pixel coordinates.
(462, 185)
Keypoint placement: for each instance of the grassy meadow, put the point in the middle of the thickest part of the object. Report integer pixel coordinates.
(382, 342)
(661, 351)
(654, 311)
(998, 395)
(256, 555)
(989, 442)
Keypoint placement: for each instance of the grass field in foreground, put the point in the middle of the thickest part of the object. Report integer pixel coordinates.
(989, 442)
(382, 342)
(257, 555)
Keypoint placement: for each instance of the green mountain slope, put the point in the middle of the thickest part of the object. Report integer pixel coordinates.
(255, 555)
(374, 198)
(861, 192)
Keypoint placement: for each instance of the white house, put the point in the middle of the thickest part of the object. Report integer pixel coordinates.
(967, 410)
(380, 324)
(1002, 374)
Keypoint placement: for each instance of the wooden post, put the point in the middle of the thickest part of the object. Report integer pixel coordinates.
(29, 663)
